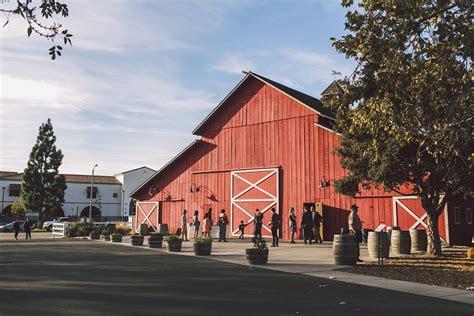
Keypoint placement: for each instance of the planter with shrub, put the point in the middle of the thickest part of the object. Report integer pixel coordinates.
(174, 243)
(259, 253)
(203, 246)
(116, 238)
(94, 235)
(105, 235)
(155, 240)
(71, 232)
(137, 240)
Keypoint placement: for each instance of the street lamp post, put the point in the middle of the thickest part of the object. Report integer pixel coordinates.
(123, 205)
(92, 193)
(3, 196)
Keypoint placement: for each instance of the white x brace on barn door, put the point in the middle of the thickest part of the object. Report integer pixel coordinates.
(147, 212)
(412, 215)
(252, 189)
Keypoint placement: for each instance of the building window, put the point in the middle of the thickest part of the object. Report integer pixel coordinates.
(94, 193)
(457, 216)
(469, 215)
(115, 195)
(14, 189)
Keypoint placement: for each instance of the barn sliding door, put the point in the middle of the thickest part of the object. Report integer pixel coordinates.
(251, 190)
(147, 213)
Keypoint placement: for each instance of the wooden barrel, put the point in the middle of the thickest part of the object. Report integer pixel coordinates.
(379, 247)
(419, 240)
(401, 243)
(162, 228)
(345, 249)
(389, 231)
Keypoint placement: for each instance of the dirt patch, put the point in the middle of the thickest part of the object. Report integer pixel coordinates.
(452, 269)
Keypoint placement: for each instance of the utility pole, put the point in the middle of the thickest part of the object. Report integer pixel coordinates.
(92, 193)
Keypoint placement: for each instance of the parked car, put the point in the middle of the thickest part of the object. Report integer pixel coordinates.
(8, 228)
(49, 224)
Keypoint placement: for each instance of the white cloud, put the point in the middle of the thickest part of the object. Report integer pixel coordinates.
(234, 64)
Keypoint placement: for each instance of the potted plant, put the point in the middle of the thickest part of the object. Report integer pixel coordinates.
(105, 235)
(155, 240)
(94, 234)
(71, 232)
(203, 246)
(259, 253)
(174, 243)
(137, 240)
(116, 237)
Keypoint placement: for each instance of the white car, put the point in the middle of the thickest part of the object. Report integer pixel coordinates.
(49, 224)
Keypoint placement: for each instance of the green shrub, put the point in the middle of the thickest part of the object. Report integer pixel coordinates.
(116, 235)
(203, 240)
(156, 236)
(260, 243)
(122, 230)
(172, 238)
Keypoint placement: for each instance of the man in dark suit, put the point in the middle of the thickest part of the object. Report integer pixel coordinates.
(307, 225)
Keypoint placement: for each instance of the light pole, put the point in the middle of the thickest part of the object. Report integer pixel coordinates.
(92, 193)
(123, 205)
(3, 196)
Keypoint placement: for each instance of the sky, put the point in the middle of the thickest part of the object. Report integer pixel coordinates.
(141, 75)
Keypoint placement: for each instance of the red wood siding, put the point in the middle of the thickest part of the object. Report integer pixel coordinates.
(260, 127)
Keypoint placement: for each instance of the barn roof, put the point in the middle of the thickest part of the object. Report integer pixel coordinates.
(167, 165)
(333, 89)
(302, 98)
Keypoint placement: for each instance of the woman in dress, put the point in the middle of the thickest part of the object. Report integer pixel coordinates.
(206, 226)
(292, 221)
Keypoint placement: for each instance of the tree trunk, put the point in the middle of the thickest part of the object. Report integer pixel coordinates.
(434, 241)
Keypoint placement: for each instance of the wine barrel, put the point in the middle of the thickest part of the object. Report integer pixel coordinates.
(345, 249)
(162, 228)
(379, 247)
(389, 231)
(419, 240)
(401, 243)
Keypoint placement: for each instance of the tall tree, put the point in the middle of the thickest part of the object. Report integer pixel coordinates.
(406, 114)
(42, 187)
(38, 23)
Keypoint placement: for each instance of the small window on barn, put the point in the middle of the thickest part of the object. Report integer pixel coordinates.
(457, 215)
(469, 215)
(115, 195)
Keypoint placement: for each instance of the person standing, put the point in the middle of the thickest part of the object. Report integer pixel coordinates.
(292, 221)
(242, 230)
(206, 226)
(355, 227)
(223, 222)
(317, 227)
(27, 228)
(258, 219)
(275, 224)
(16, 228)
(307, 225)
(184, 226)
(196, 223)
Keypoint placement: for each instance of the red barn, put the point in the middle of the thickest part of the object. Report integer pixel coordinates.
(266, 145)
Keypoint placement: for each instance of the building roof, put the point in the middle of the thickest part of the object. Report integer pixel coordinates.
(302, 98)
(168, 164)
(77, 178)
(333, 89)
(124, 172)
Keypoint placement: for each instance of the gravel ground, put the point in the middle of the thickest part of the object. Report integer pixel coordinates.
(452, 269)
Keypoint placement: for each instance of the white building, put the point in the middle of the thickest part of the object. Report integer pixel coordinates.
(110, 194)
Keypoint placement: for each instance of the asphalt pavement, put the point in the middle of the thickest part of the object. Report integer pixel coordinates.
(75, 277)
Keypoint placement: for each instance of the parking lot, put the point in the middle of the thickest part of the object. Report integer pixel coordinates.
(80, 277)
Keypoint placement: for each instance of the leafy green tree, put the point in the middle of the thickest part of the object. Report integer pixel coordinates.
(38, 25)
(406, 114)
(42, 187)
(18, 209)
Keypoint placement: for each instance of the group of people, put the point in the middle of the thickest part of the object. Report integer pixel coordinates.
(310, 224)
(207, 223)
(26, 228)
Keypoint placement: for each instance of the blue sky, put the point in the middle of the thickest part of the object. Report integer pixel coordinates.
(141, 75)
